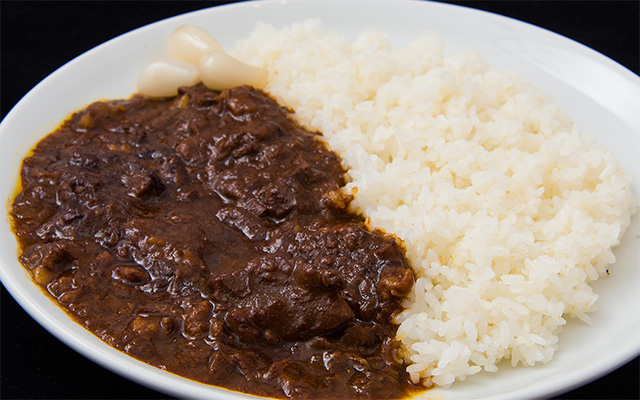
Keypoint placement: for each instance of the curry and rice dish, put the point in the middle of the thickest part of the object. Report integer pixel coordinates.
(209, 232)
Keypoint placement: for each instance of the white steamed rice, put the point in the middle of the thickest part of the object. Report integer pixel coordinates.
(507, 213)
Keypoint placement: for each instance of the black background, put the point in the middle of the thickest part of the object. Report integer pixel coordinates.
(38, 37)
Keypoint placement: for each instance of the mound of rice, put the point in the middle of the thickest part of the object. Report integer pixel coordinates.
(507, 213)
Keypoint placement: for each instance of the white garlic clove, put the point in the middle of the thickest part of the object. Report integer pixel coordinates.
(220, 71)
(162, 78)
(189, 43)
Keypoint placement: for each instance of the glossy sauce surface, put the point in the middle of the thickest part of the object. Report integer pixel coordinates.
(206, 235)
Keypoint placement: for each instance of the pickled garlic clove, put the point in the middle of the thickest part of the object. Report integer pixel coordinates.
(162, 78)
(219, 71)
(189, 43)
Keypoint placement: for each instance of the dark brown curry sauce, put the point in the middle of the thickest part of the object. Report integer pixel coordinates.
(207, 235)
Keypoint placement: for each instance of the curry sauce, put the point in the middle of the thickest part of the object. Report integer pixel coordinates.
(206, 234)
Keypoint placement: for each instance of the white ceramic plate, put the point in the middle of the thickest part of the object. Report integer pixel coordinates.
(600, 95)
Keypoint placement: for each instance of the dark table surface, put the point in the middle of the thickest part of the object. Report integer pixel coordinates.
(38, 37)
